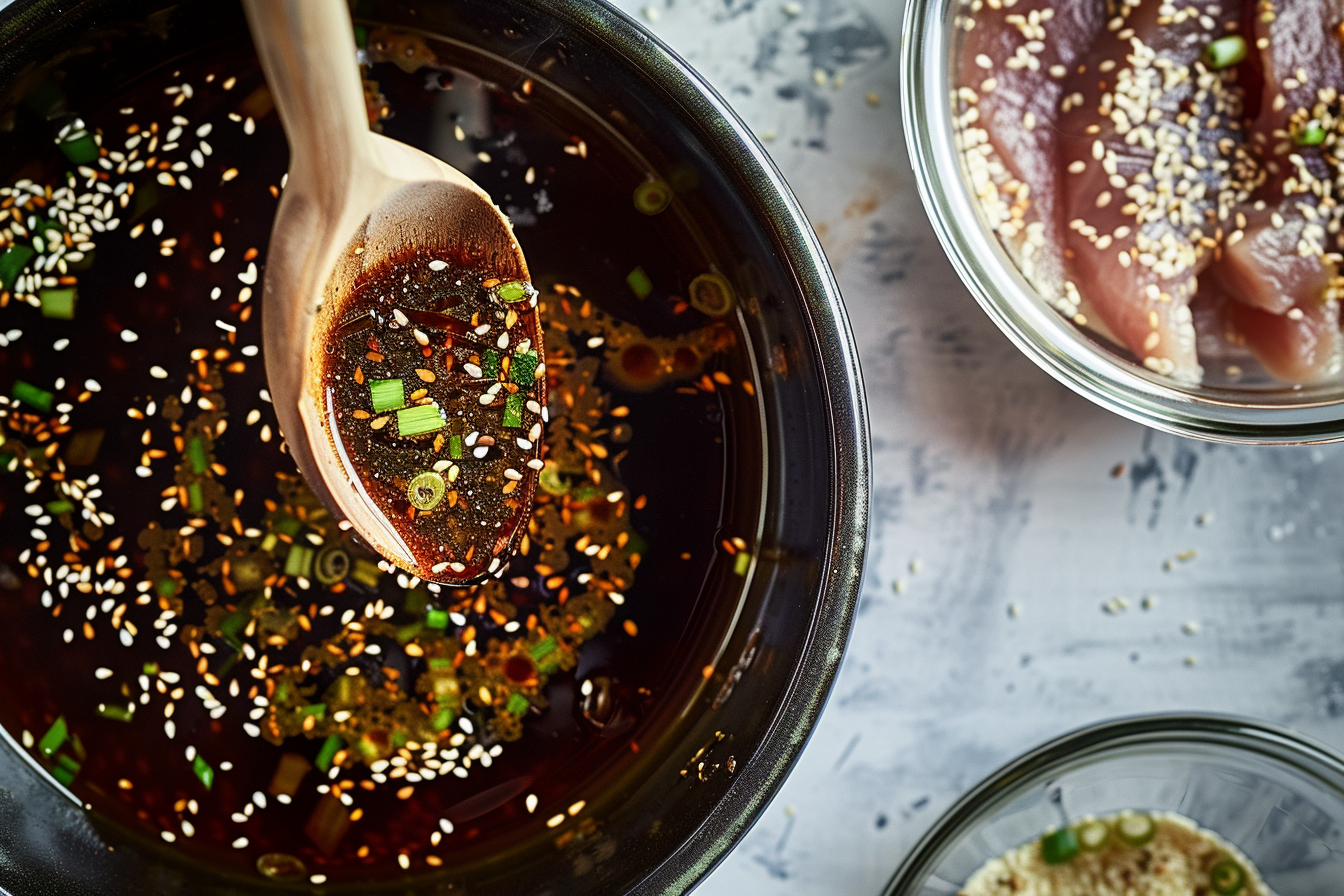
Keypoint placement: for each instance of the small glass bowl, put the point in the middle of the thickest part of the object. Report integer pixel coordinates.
(1275, 795)
(1252, 409)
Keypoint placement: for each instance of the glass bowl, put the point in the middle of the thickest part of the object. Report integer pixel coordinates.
(1252, 409)
(664, 815)
(1273, 794)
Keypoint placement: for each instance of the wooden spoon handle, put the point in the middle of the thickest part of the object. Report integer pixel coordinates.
(307, 50)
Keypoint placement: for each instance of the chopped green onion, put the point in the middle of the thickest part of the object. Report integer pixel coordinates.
(742, 563)
(387, 395)
(196, 456)
(436, 618)
(542, 648)
(455, 447)
(1311, 135)
(55, 736)
(399, 739)
(407, 632)
(64, 775)
(195, 498)
(1093, 835)
(83, 448)
(203, 771)
(12, 263)
(329, 749)
(415, 601)
(517, 705)
(513, 410)
(639, 283)
(1225, 52)
(299, 561)
(652, 196)
(69, 763)
(332, 565)
(79, 147)
(442, 719)
(366, 573)
(58, 303)
(1059, 846)
(514, 290)
(426, 490)
(440, 664)
(316, 710)
(1227, 878)
(150, 669)
(551, 482)
(232, 625)
(523, 368)
(59, 507)
(418, 420)
(711, 294)
(1135, 828)
(287, 525)
(31, 395)
(490, 363)
(167, 587)
(361, 36)
(117, 712)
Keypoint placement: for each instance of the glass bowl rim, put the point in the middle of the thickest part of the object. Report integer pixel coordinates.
(1305, 754)
(1040, 332)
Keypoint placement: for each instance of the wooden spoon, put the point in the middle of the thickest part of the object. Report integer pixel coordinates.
(354, 202)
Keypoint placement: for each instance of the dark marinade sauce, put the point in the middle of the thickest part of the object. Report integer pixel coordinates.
(193, 646)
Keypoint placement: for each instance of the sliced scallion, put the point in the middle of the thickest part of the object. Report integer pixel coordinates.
(517, 705)
(33, 396)
(1093, 835)
(711, 294)
(299, 561)
(366, 572)
(426, 490)
(329, 749)
(55, 736)
(442, 719)
(59, 507)
(639, 283)
(1135, 828)
(652, 196)
(196, 456)
(387, 395)
(455, 447)
(12, 263)
(1311, 135)
(418, 420)
(490, 363)
(117, 712)
(316, 710)
(436, 619)
(513, 410)
(1227, 878)
(58, 303)
(203, 771)
(514, 290)
(195, 498)
(742, 563)
(1225, 52)
(523, 368)
(79, 147)
(1058, 847)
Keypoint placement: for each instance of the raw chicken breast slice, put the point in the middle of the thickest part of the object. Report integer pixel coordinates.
(1154, 161)
(1013, 58)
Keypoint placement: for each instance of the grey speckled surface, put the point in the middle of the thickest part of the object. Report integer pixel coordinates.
(994, 488)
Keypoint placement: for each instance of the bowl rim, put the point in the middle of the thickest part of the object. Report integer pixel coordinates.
(1040, 332)
(831, 337)
(1296, 749)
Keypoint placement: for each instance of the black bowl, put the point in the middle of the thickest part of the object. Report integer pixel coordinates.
(660, 830)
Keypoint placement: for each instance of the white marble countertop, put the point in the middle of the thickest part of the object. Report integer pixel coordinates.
(1007, 512)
